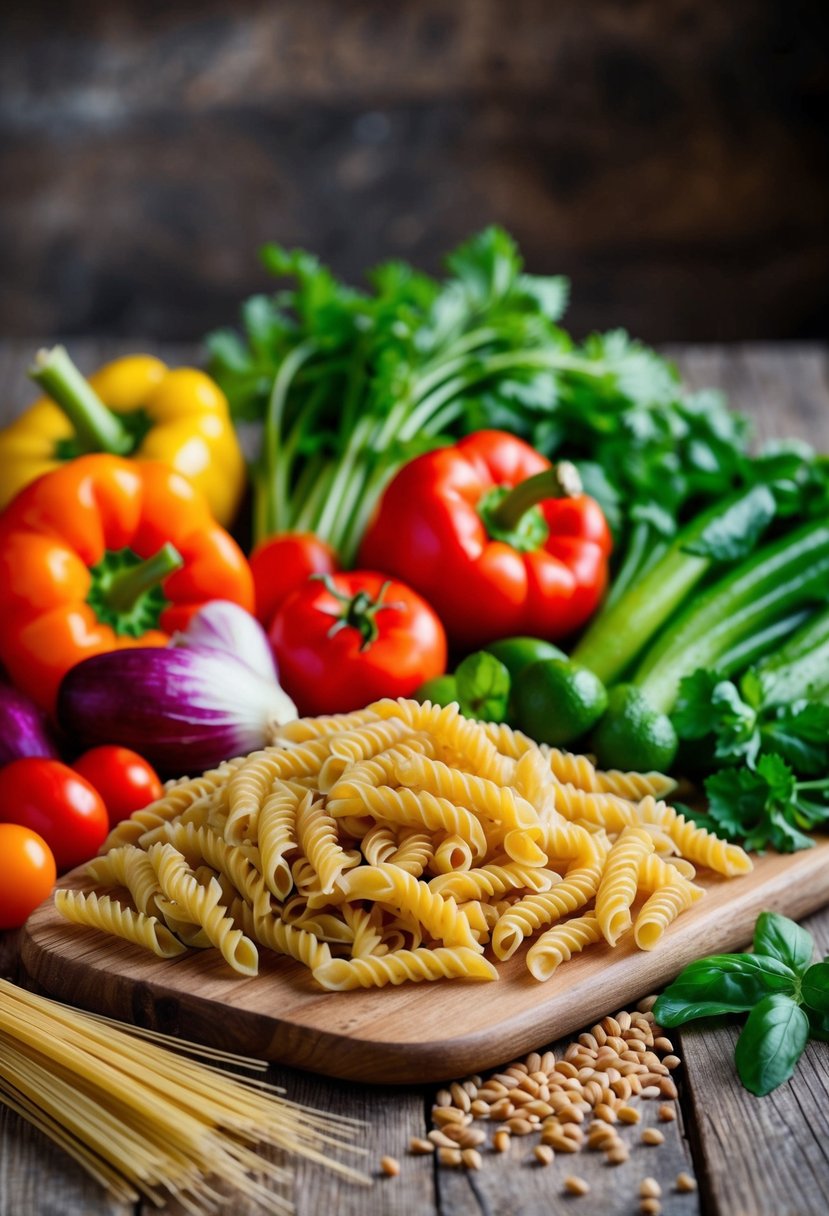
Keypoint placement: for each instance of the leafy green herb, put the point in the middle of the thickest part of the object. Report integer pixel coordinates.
(771, 1043)
(350, 384)
(776, 936)
(785, 996)
(766, 806)
(483, 685)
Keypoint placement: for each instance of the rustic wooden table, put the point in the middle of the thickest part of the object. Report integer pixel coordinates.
(751, 1157)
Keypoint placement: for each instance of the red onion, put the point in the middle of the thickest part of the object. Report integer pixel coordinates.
(23, 729)
(210, 695)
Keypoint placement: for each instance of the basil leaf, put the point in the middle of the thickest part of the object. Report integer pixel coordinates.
(778, 937)
(771, 1043)
(819, 1025)
(723, 983)
(483, 687)
(815, 988)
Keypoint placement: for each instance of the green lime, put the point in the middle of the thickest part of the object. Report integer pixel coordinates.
(518, 653)
(556, 701)
(633, 735)
(440, 690)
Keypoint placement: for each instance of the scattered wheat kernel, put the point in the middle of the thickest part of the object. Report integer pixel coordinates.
(667, 1088)
(440, 1139)
(449, 1156)
(663, 1044)
(443, 1098)
(421, 1147)
(646, 1004)
(543, 1154)
(574, 1185)
(454, 1132)
(519, 1126)
(442, 1115)
(650, 1091)
(628, 1114)
(471, 1088)
(460, 1096)
(652, 1135)
(479, 1109)
(685, 1183)
(533, 1062)
(666, 1113)
(390, 1166)
(476, 1080)
(623, 1020)
(501, 1141)
(548, 1061)
(671, 1062)
(617, 1154)
(471, 1158)
(649, 1188)
(605, 1112)
(650, 1207)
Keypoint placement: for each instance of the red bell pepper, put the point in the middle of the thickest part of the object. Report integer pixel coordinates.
(497, 540)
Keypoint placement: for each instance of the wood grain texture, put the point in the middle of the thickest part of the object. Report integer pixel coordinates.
(411, 1033)
(668, 155)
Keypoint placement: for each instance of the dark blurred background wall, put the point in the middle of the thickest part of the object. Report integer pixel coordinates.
(669, 155)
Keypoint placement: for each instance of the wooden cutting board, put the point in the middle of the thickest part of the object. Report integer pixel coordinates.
(417, 1032)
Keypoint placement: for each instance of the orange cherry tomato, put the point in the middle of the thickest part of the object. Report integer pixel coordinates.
(125, 780)
(58, 804)
(282, 564)
(29, 873)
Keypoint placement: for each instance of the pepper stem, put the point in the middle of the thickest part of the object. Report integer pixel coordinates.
(96, 428)
(561, 481)
(124, 587)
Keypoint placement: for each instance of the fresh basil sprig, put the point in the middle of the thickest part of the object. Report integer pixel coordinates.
(785, 994)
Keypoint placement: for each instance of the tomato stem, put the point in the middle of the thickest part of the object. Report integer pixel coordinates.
(96, 428)
(357, 611)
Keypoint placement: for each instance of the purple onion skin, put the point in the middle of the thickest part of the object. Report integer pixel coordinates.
(135, 698)
(23, 728)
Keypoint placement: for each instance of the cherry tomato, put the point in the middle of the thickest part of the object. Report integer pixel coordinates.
(29, 873)
(282, 564)
(47, 797)
(351, 638)
(125, 780)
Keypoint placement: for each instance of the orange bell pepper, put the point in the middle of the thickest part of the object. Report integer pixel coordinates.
(104, 553)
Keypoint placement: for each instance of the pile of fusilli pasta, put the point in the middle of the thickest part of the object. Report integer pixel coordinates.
(398, 843)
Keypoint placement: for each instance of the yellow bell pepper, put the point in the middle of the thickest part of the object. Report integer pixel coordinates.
(135, 406)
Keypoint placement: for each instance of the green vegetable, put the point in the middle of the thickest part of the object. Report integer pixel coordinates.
(350, 384)
(780, 578)
(632, 734)
(619, 633)
(483, 684)
(440, 690)
(785, 996)
(518, 653)
(557, 701)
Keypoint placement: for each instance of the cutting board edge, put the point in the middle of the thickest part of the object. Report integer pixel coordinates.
(357, 1056)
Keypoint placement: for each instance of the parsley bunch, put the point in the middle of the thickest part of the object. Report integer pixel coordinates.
(785, 994)
(774, 723)
(351, 383)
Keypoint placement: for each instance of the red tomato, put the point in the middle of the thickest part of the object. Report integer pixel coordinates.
(125, 780)
(29, 873)
(282, 564)
(63, 808)
(351, 638)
